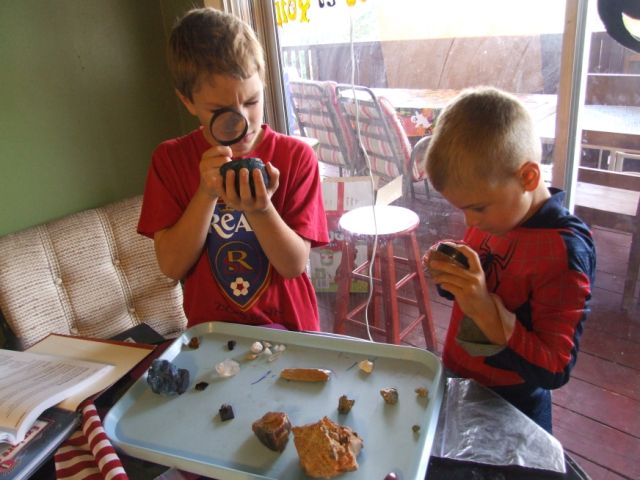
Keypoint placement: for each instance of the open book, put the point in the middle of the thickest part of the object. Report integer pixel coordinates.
(61, 370)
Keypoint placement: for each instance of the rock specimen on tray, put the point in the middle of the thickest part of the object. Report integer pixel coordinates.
(422, 392)
(273, 430)
(366, 366)
(326, 449)
(345, 404)
(227, 368)
(226, 412)
(164, 377)
(390, 395)
(306, 374)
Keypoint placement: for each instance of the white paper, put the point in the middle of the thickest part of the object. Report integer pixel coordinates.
(30, 383)
(123, 357)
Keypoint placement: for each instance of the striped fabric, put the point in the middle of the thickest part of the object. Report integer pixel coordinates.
(382, 135)
(402, 141)
(316, 110)
(88, 453)
(387, 154)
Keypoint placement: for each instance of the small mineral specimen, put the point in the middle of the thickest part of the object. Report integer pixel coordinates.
(231, 344)
(345, 404)
(194, 343)
(226, 412)
(273, 430)
(327, 449)
(390, 395)
(227, 368)
(164, 377)
(256, 347)
(306, 374)
(200, 386)
(416, 429)
(366, 366)
(279, 348)
(422, 392)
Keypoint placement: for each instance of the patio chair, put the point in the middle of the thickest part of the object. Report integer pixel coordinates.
(315, 108)
(418, 153)
(381, 136)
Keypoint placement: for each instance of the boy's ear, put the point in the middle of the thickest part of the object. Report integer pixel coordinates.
(186, 102)
(530, 176)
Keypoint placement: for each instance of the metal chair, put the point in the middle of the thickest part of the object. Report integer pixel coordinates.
(315, 108)
(417, 160)
(379, 134)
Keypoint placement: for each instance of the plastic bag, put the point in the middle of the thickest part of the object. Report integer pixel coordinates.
(477, 425)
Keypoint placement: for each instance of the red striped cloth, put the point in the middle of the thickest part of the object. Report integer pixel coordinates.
(88, 453)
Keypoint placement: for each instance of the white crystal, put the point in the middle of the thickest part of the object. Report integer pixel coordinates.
(256, 347)
(279, 348)
(227, 368)
(366, 366)
(267, 351)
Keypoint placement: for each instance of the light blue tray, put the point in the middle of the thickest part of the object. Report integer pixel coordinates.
(186, 432)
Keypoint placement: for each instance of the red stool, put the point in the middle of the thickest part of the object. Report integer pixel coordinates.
(393, 223)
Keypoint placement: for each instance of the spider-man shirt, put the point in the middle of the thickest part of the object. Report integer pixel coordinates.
(542, 272)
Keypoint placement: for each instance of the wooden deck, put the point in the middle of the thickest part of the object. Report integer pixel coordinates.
(596, 415)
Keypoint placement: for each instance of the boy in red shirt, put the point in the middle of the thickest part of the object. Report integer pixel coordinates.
(519, 307)
(242, 257)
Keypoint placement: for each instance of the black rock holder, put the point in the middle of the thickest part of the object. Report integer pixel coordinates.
(250, 164)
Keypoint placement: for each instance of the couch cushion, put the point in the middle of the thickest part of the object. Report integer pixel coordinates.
(90, 274)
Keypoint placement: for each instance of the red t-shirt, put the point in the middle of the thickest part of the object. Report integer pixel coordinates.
(232, 280)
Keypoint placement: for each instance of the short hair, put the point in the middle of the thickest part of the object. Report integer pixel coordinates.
(483, 135)
(206, 41)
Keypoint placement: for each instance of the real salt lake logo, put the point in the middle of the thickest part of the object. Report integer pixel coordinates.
(237, 261)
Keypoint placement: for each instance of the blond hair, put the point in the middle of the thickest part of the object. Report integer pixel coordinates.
(206, 41)
(483, 135)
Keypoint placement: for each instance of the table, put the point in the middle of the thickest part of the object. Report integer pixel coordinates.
(608, 199)
(605, 127)
(418, 109)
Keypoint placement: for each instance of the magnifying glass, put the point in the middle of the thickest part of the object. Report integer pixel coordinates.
(228, 126)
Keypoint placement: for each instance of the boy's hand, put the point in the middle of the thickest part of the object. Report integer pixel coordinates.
(468, 286)
(246, 201)
(210, 181)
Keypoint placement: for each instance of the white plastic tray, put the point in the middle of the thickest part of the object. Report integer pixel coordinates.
(186, 432)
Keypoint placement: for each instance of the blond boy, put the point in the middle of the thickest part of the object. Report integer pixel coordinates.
(519, 307)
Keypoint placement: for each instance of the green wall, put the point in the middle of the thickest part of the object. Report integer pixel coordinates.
(85, 97)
